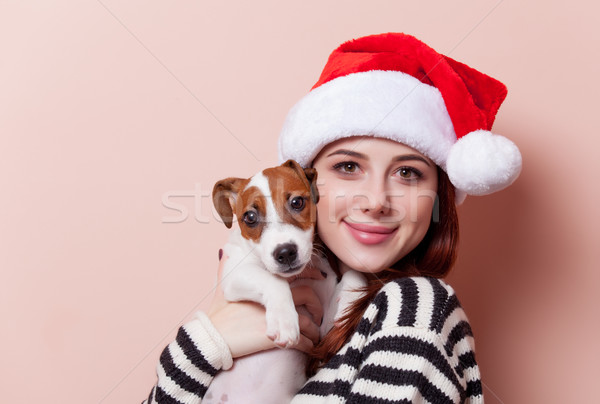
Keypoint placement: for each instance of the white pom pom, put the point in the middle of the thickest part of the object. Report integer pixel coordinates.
(481, 163)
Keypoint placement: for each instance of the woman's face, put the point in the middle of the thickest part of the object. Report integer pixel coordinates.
(376, 201)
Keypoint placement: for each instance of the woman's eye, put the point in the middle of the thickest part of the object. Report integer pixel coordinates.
(409, 173)
(346, 167)
(297, 203)
(251, 218)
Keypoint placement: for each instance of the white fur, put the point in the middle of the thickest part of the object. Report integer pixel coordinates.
(276, 375)
(251, 271)
(245, 278)
(388, 104)
(279, 232)
(481, 163)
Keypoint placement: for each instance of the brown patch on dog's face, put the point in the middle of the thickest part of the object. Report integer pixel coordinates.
(293, 194)
(225, 193)
(251, 212)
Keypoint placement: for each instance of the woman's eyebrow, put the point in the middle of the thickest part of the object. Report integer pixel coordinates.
(407, 157)
(350, 153)
(404, 157)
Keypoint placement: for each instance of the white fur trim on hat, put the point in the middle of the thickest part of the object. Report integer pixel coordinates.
(481, 163)
(387, 104)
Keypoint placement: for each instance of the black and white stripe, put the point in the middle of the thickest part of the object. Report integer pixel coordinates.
(184, 371)
(418, 348)
(413, 344)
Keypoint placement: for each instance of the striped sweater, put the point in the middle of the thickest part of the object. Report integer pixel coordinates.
(413, 344)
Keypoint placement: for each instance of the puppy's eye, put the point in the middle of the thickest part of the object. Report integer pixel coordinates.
(297, 203)
(251, 218)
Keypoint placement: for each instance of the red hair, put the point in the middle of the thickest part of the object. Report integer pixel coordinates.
(434, 256)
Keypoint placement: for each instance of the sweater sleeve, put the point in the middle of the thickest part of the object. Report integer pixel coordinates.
(188, 364)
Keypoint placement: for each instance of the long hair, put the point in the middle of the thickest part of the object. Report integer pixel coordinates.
(433, 256)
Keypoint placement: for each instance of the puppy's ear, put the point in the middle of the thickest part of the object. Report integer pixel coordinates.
(308, 174)
(224, 196)
(311, 175)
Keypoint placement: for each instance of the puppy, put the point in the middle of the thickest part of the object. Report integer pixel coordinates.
(276, 214)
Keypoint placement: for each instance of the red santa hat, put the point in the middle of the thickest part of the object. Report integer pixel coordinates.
(396, 87)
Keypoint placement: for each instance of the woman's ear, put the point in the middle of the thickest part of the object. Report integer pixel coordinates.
(224, 198)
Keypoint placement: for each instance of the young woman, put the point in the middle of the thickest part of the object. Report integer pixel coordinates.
(399, 134)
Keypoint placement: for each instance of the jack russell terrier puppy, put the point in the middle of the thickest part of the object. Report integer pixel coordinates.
(276, 213)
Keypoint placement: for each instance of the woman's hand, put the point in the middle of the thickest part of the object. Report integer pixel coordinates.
(243, 324)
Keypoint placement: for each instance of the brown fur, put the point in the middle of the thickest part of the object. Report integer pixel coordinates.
(251, 198)
(224, 196)
(231, 196)
(296, 182)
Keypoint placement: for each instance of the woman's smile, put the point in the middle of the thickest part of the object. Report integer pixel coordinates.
(369, 234)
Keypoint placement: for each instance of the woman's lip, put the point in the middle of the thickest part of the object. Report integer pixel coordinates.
(369, 235)
(371, 229)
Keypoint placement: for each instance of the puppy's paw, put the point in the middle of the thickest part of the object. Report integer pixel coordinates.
(283, 328)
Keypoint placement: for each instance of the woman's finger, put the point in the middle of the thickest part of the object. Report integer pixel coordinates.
(308, 328)
(304, 344)
(218, 299)
(304, 295)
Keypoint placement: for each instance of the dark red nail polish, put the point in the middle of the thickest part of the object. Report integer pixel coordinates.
(220, 253)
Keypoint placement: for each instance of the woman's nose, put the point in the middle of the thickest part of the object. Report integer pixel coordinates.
(374, 198)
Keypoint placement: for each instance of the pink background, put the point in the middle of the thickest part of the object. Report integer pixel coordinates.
(112, 112)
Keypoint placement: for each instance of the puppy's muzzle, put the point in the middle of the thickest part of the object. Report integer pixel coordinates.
(286, 256)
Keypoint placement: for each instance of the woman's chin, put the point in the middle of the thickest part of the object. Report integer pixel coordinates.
(364, 263)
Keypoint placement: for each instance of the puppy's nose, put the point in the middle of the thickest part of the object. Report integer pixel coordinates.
(286, 253)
